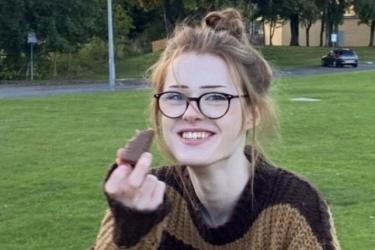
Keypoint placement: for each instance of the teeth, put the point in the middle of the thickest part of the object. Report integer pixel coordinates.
(195, 135)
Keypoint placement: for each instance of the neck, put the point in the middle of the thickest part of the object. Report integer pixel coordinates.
(219, 186)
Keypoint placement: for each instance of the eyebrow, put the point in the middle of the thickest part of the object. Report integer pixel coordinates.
(180, 86)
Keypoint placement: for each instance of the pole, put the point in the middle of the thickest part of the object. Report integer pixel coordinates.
(31, 62)
(112, 73)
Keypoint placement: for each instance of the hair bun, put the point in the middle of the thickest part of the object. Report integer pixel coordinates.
(228, 20)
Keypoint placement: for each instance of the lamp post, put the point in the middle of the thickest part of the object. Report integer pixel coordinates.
(111, 61)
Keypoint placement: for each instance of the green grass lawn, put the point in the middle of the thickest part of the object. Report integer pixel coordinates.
(126, 68)
(284, 57)
(55, 152)
(280, 57)
(134, 67)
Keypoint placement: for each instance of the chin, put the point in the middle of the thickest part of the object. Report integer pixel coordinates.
(197, 158)
(192, 163)
(185, 157)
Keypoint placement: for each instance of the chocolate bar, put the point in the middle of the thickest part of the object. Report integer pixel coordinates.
(140, 143)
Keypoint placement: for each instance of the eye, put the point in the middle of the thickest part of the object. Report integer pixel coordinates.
(215, 97)
(173, 96)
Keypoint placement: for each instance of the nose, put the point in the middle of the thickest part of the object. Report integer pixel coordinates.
(192, 113)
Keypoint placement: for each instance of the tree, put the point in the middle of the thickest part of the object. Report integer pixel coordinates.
(172, 11)
(332, 13)
(269, 12)
(291, 9)
(323, 7)
(122, 25)
(365, 9)
(13, 32)
(61, 26)
(275, 11)
(309, 16)
(334, 16)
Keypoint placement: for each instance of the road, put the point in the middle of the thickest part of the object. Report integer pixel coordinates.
(12, 91)
(315, 70)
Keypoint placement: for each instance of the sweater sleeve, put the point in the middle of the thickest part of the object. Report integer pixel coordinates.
(126, 228)
(129, 231)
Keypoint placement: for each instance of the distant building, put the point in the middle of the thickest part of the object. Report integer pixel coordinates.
(351, 33)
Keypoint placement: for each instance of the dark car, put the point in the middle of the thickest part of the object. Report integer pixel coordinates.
(340, 57)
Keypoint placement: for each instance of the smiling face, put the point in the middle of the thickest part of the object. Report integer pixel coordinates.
(193, 139)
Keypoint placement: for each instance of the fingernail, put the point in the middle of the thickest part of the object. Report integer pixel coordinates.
(147, 156)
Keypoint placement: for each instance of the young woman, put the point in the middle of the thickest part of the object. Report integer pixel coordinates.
(211, 95)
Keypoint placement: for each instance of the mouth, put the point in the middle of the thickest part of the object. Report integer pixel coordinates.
(195, 136)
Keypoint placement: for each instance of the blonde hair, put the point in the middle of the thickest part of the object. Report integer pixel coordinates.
(222, 33)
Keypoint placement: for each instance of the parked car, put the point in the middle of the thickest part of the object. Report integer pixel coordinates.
(339, 58)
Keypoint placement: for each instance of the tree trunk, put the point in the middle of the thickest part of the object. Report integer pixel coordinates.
(329, 28)
(322, 25)
(55, 64)
(165, 18)
(272, 30)
(372, 33)
(308, 35)
(270, 36)
(294, 30)
(69, 62)
(327, 22)
(264, 32)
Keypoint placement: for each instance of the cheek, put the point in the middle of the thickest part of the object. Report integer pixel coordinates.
(234, 118)
(166, 128)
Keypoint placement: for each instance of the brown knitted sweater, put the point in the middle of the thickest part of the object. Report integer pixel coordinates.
(283, 212)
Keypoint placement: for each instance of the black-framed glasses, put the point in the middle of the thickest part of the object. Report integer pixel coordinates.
(213, 105)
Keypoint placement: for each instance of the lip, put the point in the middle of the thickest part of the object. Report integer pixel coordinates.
(195, 142)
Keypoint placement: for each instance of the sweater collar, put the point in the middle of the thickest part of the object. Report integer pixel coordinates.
(239, 221)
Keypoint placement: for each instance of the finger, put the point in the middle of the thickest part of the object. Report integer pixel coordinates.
(158, 194)
(119, 156)
(140, 170)
(148, 186)
(142, 199)
(114, 181)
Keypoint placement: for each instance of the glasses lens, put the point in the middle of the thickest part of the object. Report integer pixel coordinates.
(172, 104)
(214, 105)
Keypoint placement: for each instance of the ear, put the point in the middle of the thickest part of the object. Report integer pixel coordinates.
(253, 119)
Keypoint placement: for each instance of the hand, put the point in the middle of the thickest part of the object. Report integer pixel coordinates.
(135, 187)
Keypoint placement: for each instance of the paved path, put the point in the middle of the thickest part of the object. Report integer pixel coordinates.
(11, 91)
